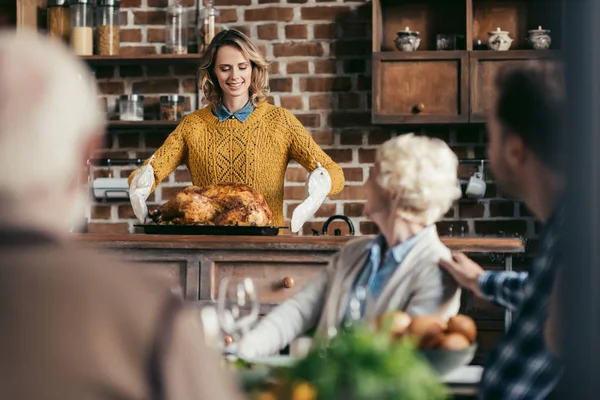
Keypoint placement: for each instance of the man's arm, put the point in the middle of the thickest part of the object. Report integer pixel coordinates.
(504, 288)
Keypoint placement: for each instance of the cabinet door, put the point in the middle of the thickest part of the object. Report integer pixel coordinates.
(420, 87)
(484, 68)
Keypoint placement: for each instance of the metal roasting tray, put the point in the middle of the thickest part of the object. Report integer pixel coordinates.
(153, 229)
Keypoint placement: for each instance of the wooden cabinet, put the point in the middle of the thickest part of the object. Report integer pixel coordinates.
(420, 87)
(431, 86)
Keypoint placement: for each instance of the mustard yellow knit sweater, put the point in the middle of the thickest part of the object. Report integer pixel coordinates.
(256, 152)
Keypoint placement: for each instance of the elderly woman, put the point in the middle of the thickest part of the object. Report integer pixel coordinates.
(411, 186)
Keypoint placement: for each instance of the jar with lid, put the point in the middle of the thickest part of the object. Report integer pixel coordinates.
(209, 15)
(171, 107)
(131, 107)
(59, 22)
(176, 40)
(82, 27)
(108, 34)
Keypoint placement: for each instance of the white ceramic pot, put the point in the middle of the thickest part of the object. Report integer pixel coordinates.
(499, 40)
(407, 40)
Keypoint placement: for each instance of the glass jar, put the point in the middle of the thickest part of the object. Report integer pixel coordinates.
(82, 27)
(59, 23)
(171, 107)
(209, 15)
(108, 33)
(176, 40)
(131, 107)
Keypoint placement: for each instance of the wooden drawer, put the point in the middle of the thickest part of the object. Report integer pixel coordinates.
(269, 276)
(420, 87)
(483, 69)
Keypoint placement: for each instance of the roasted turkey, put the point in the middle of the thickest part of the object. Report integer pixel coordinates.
(220, 204)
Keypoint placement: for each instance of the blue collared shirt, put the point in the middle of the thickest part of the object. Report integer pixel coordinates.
(377, 272)
(242, 115)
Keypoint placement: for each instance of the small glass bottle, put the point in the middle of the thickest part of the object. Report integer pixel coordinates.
(209, 16)
(59, 22)
(171, 107)
(176, 40)
(108, 33)
(82, 27)
(131, 107)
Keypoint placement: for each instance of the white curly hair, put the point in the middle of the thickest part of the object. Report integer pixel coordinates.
(421, 172)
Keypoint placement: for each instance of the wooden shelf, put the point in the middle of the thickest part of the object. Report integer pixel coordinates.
(147, 59)
(142, 124)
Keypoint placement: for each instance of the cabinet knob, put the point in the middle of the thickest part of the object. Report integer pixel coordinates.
(420, 107)
(228, 340)
(288, 282)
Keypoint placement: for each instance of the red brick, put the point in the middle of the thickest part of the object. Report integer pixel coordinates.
(309, 120)
(355, 66)
(284, 14)
(292, 102)
(186, 69)
(310, 49)
(156, 86)
(165, 3)
(350, 119)
(452, 228)
(325, 66)
(100, 212)
(126, 212)
(268, 32)
(182, 175)
(111, 87)
(340, 155)
(368, 228)
(131, 3)
(498, 228)
(104, 72)
(107, 228)
(296, 32)
(245, 29)
(378, 136)
(363, 82)
(156, 35)
(351, 48)
(274, 68)
(324, 31)
(296, 1)
(189, 85)
(157, 70)
(169, 191)
(219, 3)
(502, 209)
(349, 101)
(129, 141)
(324, 13)
(353, 174)
(466, 171)
(323, 137)
(354, 209)
(149, 17)
(366, 156)
(227, 15)
(131, 35)
(281, 84)
(268, 1)
(470, 209)
(128, 71)
(133, 51)
(351, 137)
(325, 211)
(296, 175)
(320, 102)
(297, 67)
(318, 84)
(294, 193)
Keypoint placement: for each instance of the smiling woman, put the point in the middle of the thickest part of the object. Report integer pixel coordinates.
(239, 137)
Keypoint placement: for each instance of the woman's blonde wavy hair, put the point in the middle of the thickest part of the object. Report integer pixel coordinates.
(209, 85)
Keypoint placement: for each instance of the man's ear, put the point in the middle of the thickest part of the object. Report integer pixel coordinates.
(515, 151)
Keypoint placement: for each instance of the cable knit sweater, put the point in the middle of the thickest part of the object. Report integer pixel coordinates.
(256, 152)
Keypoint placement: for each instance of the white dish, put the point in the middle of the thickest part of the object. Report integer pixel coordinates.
(469, 374)
(273, 361)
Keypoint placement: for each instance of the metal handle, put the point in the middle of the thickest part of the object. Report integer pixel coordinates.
(228, 339)
(420, 107)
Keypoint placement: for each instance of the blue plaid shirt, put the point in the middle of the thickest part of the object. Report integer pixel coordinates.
(242, 115)
(520, 366)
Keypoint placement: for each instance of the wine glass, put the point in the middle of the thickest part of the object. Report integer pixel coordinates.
(237, 306)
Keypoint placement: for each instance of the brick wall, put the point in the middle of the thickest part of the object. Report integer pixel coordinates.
(320, 53)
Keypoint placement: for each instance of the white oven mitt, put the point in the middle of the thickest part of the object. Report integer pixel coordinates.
(319, 186)
(139, 190)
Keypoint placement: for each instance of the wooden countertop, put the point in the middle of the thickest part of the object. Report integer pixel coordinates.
(282, 242)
